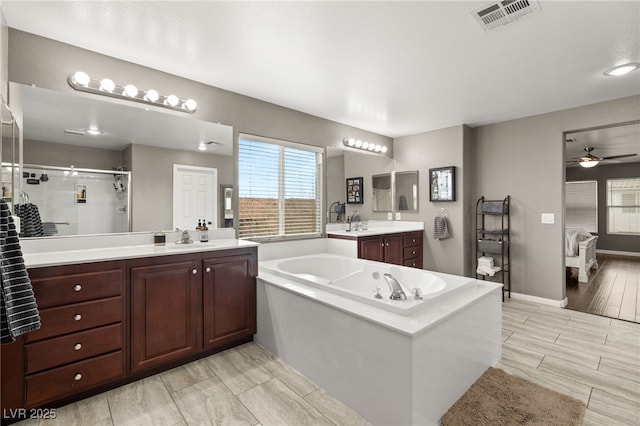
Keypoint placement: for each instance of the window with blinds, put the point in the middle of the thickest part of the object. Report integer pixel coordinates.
(581, 205)
(280, 189)
(623, 206)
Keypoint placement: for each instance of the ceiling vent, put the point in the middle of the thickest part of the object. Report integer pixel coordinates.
(503, 12)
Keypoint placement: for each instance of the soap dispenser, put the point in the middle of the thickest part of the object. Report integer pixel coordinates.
(204, 235)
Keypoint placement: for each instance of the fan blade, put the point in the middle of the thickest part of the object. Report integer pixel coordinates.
(619, 156)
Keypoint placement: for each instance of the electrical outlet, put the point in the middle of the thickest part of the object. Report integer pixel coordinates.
(547, 218)
(389, 216)
(398, 216)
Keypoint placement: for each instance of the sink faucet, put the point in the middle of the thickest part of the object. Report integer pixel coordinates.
(185, 239)
(396, 289)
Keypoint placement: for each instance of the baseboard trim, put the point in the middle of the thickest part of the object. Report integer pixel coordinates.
(542, 300)
(619, 253)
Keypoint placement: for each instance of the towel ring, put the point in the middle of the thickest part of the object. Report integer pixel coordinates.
(443, 212)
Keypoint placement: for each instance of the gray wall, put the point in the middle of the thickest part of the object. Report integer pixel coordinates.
(439, 148)
(63, 155)
(600, 174)
(335, 182)
(524, 158)
(152, 175)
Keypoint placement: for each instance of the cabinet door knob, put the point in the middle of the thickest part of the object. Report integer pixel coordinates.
(194, 272)
(77, 287)
(381, 244)
(77, 377)
(387, 244)
(413, 240)
(208, 269)
(77, 346)
(77, 317)
(413, 252)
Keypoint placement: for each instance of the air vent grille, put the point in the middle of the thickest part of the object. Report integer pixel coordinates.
(504, 12)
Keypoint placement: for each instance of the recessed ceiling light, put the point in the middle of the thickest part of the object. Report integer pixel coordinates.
(93, 132)
(202, 146)
(622, 69)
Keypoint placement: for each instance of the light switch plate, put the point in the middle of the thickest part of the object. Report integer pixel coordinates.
(389, 216)
(398, 216)
(547, 218)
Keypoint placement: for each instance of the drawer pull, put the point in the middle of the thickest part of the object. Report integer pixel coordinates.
(194, 271)
(77, 317)
(413, 252)
(413, 240)
(208, 269)
(77, 346)
(77, 377)
(77, 287)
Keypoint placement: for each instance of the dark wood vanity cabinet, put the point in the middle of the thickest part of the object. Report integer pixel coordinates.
(401, 248)
(105, 324)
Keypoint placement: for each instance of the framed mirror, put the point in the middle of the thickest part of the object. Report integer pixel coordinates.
(382, 193)
(9, 155)
(406, 191)
(112, 138)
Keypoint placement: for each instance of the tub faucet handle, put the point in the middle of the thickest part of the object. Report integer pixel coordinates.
(417, 293)
(378, 293)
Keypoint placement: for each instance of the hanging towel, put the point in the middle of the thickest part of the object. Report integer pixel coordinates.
(18, 309)
(440, 228)
(30, 222)
(402, 203)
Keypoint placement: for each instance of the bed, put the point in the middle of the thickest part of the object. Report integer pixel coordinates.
(580, 249)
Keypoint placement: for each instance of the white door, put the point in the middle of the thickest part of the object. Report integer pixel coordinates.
(195, 196)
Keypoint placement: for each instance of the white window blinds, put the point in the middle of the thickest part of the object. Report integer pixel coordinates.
(279, 189)
(581, 205)
(623, 206)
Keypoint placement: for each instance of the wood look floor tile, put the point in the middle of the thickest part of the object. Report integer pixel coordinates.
(274, 403)
(552, 381)
(145, 402)
(277, 368)
(620, 409)
(547, 348)
(620, 369)
(618, 386)
(335, 410)
(523, 356)
(531, 330)
(594, 418)
(564, 329)
(88, 411)
(237, 371)
(210, 402)
(186, 375)
(600, 350)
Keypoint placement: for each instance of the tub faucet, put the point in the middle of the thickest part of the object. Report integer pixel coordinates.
(396, 289)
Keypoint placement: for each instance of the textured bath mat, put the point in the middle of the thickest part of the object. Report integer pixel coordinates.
(500, 399)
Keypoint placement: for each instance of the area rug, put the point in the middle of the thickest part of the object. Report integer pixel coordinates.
(500, 399)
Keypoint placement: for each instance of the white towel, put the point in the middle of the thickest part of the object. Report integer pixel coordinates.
(440, 228)
(488, 270)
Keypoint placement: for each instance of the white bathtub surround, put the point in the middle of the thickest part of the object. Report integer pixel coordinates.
(375, 227)
(291, 248)
(52, 251)
(391, 368)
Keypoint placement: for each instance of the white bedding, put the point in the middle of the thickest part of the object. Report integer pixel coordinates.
(572, 237)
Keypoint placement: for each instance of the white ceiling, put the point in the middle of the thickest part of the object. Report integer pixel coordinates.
(394, 68)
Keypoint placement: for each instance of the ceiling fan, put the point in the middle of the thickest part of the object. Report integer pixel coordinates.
(590, 160)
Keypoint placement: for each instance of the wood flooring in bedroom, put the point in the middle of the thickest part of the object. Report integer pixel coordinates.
(613, 289)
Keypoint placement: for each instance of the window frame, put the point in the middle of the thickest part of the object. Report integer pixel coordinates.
(319, 182)
(609, 207)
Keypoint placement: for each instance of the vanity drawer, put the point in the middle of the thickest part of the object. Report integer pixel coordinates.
(73, 288)
(70, 379)
(72, 347)
(412, 239)
(411, 253)
(76, 317)
(413, 263)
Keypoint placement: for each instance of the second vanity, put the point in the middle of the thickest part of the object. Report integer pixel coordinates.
(113, 315)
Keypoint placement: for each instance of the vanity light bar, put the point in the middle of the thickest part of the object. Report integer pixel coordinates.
(364, 145)
(82, 82)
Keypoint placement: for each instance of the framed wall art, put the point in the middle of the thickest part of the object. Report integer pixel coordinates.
(354, 190)
(442, 184)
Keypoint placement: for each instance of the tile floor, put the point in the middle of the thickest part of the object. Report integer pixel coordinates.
(592, 358)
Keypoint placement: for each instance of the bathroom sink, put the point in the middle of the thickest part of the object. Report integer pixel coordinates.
(194, 246)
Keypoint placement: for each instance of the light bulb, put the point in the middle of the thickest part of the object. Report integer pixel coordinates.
(202, 146)
(152, 95)
(365, 145)
(81, 78)
(107, 85)
(130, 90)
(377, 148)
(371, 147)
(622, 69)
(383, 149)
(351, 141)
(172, 100)
(358, 143)
(190, 105)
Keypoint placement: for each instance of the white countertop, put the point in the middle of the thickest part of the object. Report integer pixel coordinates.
(65, 257)
(375, 228)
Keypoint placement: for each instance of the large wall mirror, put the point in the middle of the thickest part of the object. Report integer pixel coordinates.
(9, 154)
(406, 191)
(121, 177)
(382, 193)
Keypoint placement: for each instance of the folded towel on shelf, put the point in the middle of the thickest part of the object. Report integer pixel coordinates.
(18, 310)
(495, 207)
(487, 270)
(485, 261)
(440, 228)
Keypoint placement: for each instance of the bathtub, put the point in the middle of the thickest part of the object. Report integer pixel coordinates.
(360, 280)
(392, 361)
